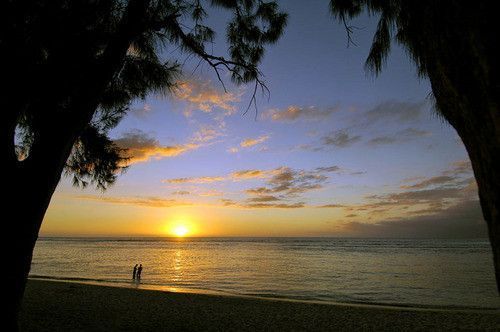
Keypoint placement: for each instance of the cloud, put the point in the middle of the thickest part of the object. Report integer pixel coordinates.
(435, 180)
(289, 183)
(202, 95)
(157, 202)
(413, 133)
(281, 187)
(463, 220)
(233, 150)
(340, 138)
(248, 174)
(421, 196)
(451, 177)
(292, 113)
(403, 112)
(232, 203)
(401, 136)
(382, 140)
(328, 169)
(206, 134)
(249, 142)
(330, 206)
(139, 147)
(201, 179)
(274, 206)
(459, 167)
(260, 199)
(181, 193)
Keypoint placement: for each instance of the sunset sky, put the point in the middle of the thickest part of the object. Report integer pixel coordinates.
(334, 151)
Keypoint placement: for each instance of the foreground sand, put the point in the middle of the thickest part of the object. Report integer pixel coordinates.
(60, 306)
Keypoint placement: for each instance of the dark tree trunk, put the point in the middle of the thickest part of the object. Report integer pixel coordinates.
(30, 186)
(31, 183)
(467, 92)
(484, 151)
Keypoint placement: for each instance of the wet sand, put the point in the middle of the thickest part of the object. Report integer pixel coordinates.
(66, 306)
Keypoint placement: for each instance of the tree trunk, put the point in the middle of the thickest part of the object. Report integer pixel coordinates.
(468, 96)
(484, 153)
(23, 233)
(30, 187)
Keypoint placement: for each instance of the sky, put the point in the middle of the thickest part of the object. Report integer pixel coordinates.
(332, 150)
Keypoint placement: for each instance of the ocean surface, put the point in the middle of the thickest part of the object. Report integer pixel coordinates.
(443, 273)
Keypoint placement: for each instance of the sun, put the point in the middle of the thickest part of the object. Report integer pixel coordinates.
(180, 230)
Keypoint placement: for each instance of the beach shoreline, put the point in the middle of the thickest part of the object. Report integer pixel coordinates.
(62, 305)
(171, 289)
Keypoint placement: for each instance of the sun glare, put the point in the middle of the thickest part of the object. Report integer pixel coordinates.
(180, 230)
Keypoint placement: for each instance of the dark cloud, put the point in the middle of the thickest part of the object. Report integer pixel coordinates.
(435, 180)
(463, 220)
(331, 206)
(140, 147)
(396, 111)
(262, 204)
(328, 169)
(274, 206)
(401, 136)
(340, 138)
(420, 196)
(290, 182)
(260, 199)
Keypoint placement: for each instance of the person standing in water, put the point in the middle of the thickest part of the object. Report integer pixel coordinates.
(135, 272)
(139, 271)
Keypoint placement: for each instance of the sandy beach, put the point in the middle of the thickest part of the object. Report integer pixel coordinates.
(64, 306)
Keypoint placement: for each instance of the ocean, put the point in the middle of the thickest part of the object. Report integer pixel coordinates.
(404, 272)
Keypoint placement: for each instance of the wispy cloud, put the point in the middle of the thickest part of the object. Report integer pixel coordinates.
(204, 96)
(401, 136)
(435, 180)
(340, 138)
(157, 202)
(201, 179)
(395, 111)
(247, 174)
(140, 147)
(206, 134)
(249, 142)
(292, 113)
(261, 205)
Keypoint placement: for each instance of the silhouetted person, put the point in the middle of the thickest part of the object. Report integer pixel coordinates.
(139, 271)
(135, 272)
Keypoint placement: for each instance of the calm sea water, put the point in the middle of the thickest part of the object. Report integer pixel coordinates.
(404, 272)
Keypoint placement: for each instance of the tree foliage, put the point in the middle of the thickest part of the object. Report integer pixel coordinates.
(59, 55)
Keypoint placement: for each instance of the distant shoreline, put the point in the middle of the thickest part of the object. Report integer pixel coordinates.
(51, 305)
(171, 289)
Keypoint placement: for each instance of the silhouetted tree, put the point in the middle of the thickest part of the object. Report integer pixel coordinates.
(455, 44)
(71, 69)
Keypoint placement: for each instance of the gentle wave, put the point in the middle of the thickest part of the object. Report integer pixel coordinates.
(403, 272)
